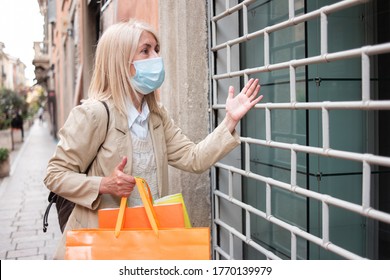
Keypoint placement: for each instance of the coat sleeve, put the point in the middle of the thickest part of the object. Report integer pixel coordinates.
(189, 156)
(79, 142)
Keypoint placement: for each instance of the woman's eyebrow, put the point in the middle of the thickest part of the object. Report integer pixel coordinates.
(145, 45)
(149, 45)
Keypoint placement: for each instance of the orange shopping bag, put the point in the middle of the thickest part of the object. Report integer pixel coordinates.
(170, 215)
(142, 244)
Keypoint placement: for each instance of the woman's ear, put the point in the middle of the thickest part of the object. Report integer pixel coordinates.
(132, 69)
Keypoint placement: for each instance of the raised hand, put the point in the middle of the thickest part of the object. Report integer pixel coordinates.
(237, 107)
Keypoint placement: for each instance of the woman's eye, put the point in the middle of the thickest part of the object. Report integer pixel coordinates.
(145, 51)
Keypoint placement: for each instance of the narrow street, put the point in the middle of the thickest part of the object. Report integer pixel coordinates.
(23, 200)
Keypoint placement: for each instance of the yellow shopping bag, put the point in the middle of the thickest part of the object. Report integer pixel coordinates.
(175, 198)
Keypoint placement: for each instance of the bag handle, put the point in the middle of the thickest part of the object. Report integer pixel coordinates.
(147, 201)
(146, 198)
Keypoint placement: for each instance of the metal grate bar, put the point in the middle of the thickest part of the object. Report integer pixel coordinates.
(366, 50)
(337, 105)
(291, 22)
(369, 158)
(368, 212)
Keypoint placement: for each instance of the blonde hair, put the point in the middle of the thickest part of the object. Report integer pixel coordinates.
(111, 76)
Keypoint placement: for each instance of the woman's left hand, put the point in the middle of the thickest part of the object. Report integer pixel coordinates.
(237, 107)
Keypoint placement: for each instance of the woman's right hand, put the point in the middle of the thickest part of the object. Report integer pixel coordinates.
(118, 183)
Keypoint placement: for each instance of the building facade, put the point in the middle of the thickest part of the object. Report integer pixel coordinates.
(310, 178)
(12, 72)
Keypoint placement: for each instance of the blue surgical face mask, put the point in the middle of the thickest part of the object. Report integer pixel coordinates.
(149, 75)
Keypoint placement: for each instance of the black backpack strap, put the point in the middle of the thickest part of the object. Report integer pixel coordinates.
(52, 199)
(108, 114)
(108, 125)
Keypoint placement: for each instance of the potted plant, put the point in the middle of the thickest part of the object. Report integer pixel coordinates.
(5, 165)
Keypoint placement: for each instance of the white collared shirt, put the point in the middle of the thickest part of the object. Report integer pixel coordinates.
(138, 122)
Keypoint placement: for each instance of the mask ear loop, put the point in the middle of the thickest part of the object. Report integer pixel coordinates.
(139, 97)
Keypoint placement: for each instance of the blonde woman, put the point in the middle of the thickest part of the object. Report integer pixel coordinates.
(94, 166)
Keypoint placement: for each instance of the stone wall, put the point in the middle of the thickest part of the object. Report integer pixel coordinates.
(183, 32)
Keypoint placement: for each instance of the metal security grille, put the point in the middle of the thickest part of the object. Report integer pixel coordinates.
(225, 64)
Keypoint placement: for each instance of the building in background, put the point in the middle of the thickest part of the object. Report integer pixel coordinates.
(12, 72)
(310, 179)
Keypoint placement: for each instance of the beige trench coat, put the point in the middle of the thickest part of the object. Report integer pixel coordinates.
(78, 147)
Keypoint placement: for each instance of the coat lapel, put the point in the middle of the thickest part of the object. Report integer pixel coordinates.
(158, 139)
(123, 140)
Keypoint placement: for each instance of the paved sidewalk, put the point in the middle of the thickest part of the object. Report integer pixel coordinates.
(23, 200)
